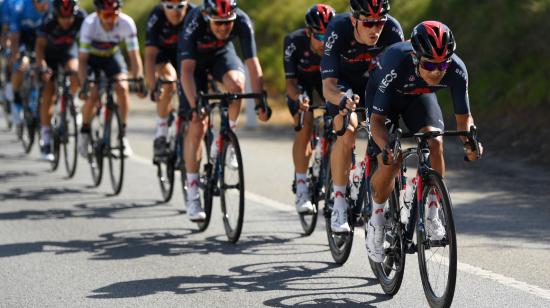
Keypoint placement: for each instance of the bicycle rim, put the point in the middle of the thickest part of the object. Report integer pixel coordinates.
(165, 175)
(207, 185)
(95, 149)
(54, 142)
(115, 151)
(309, 220)
(27, 132)
(69, 139)
(232, 187)
(438, 259)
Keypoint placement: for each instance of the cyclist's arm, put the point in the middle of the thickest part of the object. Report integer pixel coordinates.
(150, 58)
(256, 74)
(82, 66)
(136, 66)
(188, 81)
(379, 130)
(463, 123)
(331, 91)
(39, 51)
(292, 89)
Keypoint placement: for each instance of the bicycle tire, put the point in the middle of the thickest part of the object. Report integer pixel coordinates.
(166, 176)
(56, 124)
(28, 131)
(339, 244)
(434, 180)
(115, 151)
(309, 220)
(232, 229)
(95, 148)
(69, 138)
(392, 283)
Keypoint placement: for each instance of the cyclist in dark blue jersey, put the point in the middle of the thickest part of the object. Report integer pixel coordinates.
(205, 47)
(161, 43)
(404, 84)
(25, 18)
(352, 44)
(55, 47)
(303, 49)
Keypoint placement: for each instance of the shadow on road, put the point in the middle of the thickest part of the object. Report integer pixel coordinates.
(43, 193)
(258, 277)
(334, 299)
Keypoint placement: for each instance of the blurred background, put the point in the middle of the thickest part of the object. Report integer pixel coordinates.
(504, 44)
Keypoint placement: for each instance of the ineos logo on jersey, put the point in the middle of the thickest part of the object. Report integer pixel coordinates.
(378, 109)
(289, 51)
(152, 21)
(461, 73)
(330, 42)
(389, 78)
(190, 29)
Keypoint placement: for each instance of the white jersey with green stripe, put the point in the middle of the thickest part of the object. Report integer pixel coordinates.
(95, 40)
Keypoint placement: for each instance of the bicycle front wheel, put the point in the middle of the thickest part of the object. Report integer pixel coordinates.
(69, 138)
(55, 140)
(95, 148)
(115, 150)
(232, 187)
(437, 250)
(28, 130)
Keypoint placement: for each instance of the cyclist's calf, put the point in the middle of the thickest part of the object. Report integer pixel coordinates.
(382, 182)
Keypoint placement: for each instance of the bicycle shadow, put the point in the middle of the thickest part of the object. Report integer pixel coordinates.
(257, 277)
(334, 299)
(43, 193)
(15, 175)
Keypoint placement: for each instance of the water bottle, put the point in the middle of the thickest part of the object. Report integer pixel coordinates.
(355, 175)
(317, 156)
(406, 196)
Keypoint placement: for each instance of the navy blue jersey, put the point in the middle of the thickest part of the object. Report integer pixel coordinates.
(56, 36)
(396, 74)
(197, 41)
(300, 61)
(346, 59)
(160, 32)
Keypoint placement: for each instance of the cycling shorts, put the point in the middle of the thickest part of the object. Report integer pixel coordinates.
(110, 66)
(167, 56)
(59, 57)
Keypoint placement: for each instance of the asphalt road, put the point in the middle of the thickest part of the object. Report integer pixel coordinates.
(65, 244)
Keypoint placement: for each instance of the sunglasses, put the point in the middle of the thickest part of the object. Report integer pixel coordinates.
(318, 36)
(108, 15)
(372, 23)
(431, 66)
(222, 22)
(172, 6)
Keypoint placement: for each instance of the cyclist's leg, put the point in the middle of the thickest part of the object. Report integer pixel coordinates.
(46, 110)
(229, 70)
(18, 72)
(165, 70)
(71, 65)
(89, 107)
(116, 68)
(424, 115)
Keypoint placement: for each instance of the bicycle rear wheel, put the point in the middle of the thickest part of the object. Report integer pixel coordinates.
(232, 187)
(69, 138)
(309, 220)
(95, 147)
(339, 243)
(56, 129)
(166, 174)
(437, 258)
(115, 150)
(390, 272)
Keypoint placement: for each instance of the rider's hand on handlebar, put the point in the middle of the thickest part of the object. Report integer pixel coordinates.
(303, 101)
(263, 114)
(349, 104)
(140, 87)
(470, 153)
(388, 157)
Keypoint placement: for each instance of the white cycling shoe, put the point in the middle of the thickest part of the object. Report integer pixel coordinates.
(375, 242)
(195, 213)
(339, 220)
(435, 229)
(303, 203)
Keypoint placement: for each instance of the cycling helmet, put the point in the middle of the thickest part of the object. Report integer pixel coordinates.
(65, 8)
(318, 17)
(223, 9)
(108, 4)
(433, 40)
(370, 8)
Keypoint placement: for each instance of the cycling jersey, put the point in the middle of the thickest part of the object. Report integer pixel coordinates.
(396, 77)
(197, 41)
(160, 32)
(25, 20)
(302, 64)
(98, 42)
(348, 60)
(58, 38)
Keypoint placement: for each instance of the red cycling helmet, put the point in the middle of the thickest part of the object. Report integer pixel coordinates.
(318, 17)
(433, 40)
(65, 8)
(370, 8)
(110, 5)
(221, 9)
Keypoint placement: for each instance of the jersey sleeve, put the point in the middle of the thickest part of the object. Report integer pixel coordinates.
(130, 37)
(246, 37)
(85, 39)
(459, 88)
(386, 79)
(44, 27)
(289, 59)
(396, 32)
(152, 33)
(330, 62)
(187, 40)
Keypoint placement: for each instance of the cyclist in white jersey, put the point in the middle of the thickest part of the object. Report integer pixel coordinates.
(100, 36)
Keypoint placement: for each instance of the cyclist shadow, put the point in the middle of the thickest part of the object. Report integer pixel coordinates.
(15, 175)
(298, 276)
(43, 193)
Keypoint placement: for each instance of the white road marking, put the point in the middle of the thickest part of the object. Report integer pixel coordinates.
(467, 268)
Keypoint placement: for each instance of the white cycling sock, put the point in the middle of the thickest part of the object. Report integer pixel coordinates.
(301, 183)
(233, 124)
(340, 197)
(378, 218)
(45, 133)
(432, 205)
(162, 127)
(192, 186)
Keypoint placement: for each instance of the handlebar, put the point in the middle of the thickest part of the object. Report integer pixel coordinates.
(298, 127)
(203, 100)
(342, 131)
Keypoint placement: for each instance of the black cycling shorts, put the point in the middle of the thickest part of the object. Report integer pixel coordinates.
(110, 66)
(167, 56)
(59, 57)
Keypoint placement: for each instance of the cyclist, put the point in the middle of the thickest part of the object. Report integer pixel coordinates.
(100, 36)
(303, 49)
(164, 24)
(404, 84)
(351, 47)
(56, 46)
(25, 18)
(205, 46)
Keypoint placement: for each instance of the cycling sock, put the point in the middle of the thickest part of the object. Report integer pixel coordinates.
(192, 186)
(340, 197)
(378, 218)
(432, 204)
(162, 127)
(123, 130)
(301, 183)
(233, 124)
(86, 128)
(45, 133)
